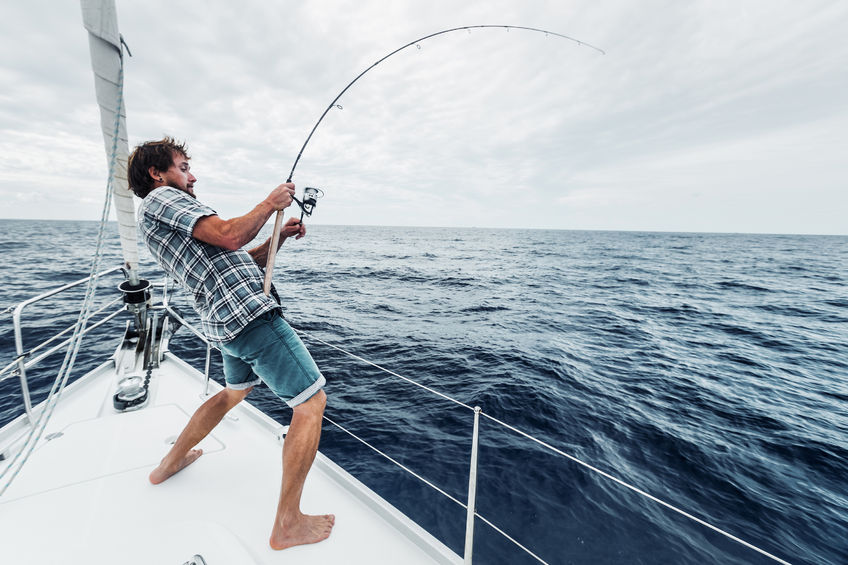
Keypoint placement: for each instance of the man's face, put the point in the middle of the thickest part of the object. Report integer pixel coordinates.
(179, 175)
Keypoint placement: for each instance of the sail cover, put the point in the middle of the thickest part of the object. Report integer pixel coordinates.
(101, 20)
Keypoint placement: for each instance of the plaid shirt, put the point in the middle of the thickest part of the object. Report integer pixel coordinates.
(226, 285)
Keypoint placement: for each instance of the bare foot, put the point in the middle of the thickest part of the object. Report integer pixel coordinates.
(163, 472)
(302, 530)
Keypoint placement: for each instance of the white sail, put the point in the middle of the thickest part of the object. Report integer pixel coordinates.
(101, 20)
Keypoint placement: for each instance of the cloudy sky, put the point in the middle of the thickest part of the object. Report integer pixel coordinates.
(722, 116)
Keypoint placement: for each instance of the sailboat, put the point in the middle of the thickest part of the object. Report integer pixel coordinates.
(74, 469)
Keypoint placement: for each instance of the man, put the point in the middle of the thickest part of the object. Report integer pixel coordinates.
(203, 252)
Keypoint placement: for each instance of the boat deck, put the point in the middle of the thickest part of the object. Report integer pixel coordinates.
(84, 497)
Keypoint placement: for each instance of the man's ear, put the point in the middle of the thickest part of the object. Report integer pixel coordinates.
(154, 173)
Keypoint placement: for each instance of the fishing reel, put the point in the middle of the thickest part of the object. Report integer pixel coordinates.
(310, 200)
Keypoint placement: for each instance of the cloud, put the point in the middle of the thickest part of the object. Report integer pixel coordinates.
(488, 128)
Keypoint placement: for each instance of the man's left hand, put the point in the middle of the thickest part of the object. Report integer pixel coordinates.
(293, 227)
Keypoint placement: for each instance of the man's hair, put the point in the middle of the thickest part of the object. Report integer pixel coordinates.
(158, 154)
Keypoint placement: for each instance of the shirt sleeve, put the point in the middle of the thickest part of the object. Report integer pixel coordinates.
(177, 210)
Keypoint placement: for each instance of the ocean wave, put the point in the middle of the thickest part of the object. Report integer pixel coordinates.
(707, 369)
(740, 285)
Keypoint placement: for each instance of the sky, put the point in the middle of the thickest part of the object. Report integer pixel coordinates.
(701, 116)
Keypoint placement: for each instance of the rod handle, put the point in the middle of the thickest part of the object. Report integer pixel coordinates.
(272, 253)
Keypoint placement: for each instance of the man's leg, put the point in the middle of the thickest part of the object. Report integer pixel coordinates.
(202, 422)
(291, 526)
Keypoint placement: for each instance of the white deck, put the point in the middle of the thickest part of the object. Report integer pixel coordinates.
(83, 497)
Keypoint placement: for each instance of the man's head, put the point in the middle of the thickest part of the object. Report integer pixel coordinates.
(160, 163)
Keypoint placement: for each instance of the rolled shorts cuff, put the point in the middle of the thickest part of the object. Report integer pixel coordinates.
(245, 385)
(308, 393)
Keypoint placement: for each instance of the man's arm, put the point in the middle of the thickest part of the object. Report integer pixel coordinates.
(237, 232)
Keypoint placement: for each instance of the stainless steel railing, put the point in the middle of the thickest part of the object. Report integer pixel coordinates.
(166, 304)
(24, 359)
(209, 345)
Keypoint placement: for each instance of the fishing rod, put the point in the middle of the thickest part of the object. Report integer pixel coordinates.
(310, 199)
(416, 42)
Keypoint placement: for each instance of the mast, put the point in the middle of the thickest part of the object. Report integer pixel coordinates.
(100, 18)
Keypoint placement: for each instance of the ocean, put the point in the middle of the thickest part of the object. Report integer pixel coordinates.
(708, 370)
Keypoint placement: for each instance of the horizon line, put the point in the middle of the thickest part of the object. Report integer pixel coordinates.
(620, 230)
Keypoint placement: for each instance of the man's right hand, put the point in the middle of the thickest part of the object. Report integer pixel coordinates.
(282, 196)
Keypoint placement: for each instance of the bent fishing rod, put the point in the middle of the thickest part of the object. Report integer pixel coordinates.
(312, 194)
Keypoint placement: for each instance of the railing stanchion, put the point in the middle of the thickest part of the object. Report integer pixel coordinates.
(472, 489)
(19, 344)
(19, 350)
(206, 371)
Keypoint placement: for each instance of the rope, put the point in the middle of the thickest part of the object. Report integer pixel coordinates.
(548, 447)
(58, 387)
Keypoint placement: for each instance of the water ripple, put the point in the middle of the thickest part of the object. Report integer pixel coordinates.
(707, 369)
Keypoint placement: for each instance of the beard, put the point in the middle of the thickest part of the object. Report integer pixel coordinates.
(187, 189)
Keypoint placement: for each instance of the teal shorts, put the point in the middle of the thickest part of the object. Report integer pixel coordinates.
(269, 350)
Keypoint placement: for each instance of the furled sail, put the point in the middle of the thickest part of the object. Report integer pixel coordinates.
(101, 20)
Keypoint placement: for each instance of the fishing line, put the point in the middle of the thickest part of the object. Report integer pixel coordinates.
(417, 42)
(275, 236)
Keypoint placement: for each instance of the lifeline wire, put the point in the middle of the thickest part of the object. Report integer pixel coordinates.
(39, 426)
(437, 489)
(274, 238)
(637, 490)
(405, 468)
(416, 43)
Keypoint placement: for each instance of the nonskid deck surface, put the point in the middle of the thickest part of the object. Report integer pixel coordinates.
(84, 497)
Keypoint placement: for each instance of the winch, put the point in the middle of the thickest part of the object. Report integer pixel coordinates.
(131, 392)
